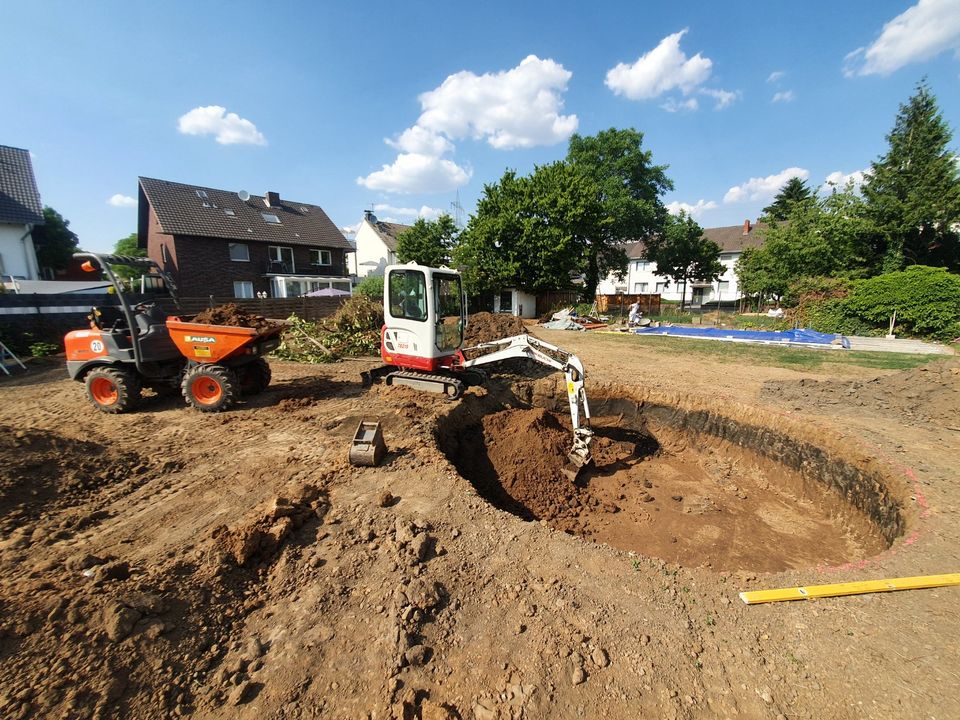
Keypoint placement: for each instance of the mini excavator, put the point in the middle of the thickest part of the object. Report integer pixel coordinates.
(421, 344)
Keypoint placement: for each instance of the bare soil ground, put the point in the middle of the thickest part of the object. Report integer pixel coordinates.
(170, 563)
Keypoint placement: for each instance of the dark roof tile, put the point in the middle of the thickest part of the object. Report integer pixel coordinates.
(389, 232)
(202, 211)
(19, 197)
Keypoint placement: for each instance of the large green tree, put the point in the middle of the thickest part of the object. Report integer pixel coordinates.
(820, 237)
(794, 192)
(428, 242)
(629, 187)
(913, 191)
(531, 232)
(682, 253)
(54, 241)
(128, 247)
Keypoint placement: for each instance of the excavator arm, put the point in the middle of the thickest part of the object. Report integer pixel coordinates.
(525, 346)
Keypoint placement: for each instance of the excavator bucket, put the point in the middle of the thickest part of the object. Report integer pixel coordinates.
(368, 447)
(580, 459)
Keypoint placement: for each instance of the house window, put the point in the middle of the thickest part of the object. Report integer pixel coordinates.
(506, 301)
(201, 193)
(239, 252)
(723, 286)
(242, 289)
(270, 218)
(320, 257)
(281, 259)
(640, 287)
(640, 265)
(661, 286)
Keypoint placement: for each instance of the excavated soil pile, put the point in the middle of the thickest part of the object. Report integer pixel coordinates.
(928, 393)
(711, 503)
(234, 316)
(485, 327)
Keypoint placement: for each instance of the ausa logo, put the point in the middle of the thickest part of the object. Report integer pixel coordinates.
(199, 339)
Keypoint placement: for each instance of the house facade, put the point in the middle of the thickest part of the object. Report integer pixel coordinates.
(234, 244)
(376, 245)
(20, 212)
(642, 274)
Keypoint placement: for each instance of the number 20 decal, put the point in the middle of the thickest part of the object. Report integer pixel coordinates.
(96, 346)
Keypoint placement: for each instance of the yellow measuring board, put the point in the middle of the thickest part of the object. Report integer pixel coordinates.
(755, 597)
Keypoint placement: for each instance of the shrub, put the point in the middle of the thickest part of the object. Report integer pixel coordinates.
(371, 286)
(926, 300)
(354, 330)
(807, 289)
(42, 349)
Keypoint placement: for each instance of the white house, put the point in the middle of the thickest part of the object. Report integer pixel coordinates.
(20, 212)
(642, 275)
(376, 244)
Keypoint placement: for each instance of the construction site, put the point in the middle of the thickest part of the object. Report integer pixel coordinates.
(169, 561)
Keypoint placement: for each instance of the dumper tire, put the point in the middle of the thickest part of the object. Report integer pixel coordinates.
(255, 377)
(210, 388)
(113, 390)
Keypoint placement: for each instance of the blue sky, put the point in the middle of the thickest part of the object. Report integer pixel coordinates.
(300, 97)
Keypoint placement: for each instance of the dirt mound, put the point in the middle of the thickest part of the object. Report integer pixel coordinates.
(485, 327)
(928, 393)
(45, 472)
(233, 315)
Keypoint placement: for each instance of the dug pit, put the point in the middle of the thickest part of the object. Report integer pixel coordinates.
(677, 479)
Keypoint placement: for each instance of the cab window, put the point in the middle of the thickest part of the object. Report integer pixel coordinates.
(448, 299)
(408, 294)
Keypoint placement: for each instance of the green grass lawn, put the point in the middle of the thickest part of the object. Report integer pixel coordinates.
(789, 357)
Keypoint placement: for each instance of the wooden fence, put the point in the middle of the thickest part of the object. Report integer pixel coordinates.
(555, 300)
(25, 319)
(649, 303)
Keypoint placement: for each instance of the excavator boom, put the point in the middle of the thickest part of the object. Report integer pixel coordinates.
(526, 346)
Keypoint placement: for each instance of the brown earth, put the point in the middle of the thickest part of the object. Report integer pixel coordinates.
(233, 315)
(485, 327)
(171, 563)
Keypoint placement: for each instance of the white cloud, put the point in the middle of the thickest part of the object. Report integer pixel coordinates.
(673, 105)
(664, 68)
(919, 33)
(840, 180)
(764, 188)
(119, 200)
(724, 98)
(350, 230)
(422, 141)
(695, 211)
(229, 128)
(785, 96)
(425, 211)
(775, 75)
(417, 173)
(515, 108)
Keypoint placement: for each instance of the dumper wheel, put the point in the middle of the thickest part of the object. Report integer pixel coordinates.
(254, 377)
(113, 390)
(210, 388)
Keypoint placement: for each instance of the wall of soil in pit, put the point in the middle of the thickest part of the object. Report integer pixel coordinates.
(677, 479)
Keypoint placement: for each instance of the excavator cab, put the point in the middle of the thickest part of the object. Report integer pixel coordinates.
(425, 317)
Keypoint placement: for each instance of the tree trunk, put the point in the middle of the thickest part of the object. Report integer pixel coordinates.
(683, 293)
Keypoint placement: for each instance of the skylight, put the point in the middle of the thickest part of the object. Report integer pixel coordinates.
(270, 218)
(229, 211)
(201, 193)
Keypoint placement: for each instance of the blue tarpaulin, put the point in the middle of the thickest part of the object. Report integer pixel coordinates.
(779, 337)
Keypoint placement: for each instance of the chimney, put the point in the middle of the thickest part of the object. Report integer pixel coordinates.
(746, 227)
(272, 199)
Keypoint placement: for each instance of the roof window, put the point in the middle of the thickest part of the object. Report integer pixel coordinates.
(229, 211)
(270, 218)
(201, 193)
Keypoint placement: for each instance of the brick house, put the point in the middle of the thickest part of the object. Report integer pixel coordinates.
(229, 244)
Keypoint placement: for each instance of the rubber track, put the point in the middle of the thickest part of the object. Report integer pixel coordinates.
(443, 380)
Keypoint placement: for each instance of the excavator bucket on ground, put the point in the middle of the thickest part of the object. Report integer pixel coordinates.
(368, 447)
